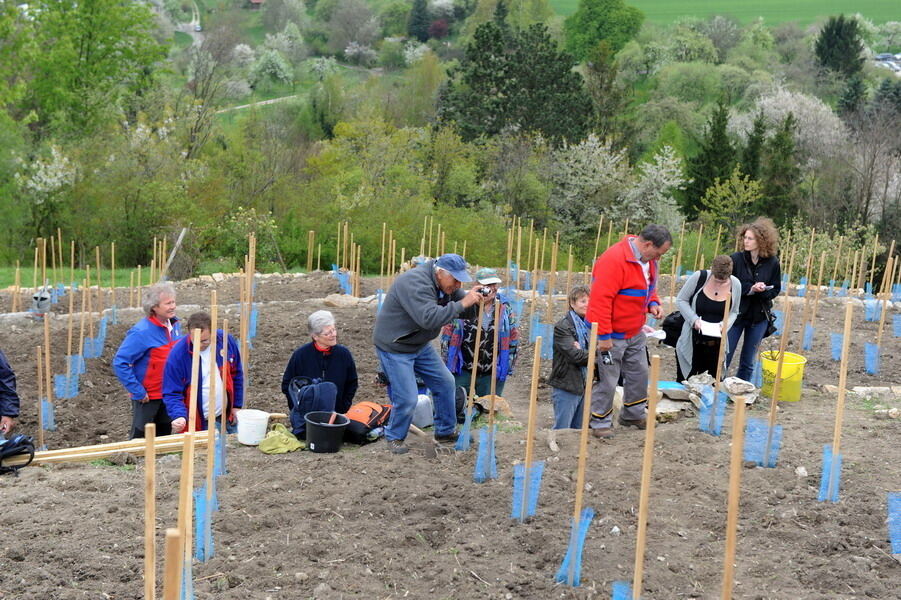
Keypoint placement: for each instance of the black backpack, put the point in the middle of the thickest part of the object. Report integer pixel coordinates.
(309, 395)
(15, 446)
(673, 322)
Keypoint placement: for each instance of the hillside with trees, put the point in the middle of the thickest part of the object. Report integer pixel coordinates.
(120, 121)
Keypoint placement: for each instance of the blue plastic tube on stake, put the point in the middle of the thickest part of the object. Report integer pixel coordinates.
(526, 487)
(710, 417)
(808, 337)
(187, 582)
(570, 571)
(831, 291)
(802, 287)
(48, 415)
(871, 358)
(756, 434)
(780, 321)
(622, 590)
(486, 463)
(465, 432)
(872, 309)
(547, 348)
(836, 339)
(831, 478)
(896, 325)
(894, 521)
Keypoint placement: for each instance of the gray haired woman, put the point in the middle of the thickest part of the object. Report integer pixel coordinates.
(697, 352)
(325, 359)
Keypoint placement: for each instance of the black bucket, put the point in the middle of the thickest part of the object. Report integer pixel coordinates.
(322, 436)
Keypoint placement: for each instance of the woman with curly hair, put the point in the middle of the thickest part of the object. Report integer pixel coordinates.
(757, 268)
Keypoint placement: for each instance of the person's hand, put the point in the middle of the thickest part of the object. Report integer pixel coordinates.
(604, 345)
(656, 311)
(474, 296)
(144, 400)
(697, 324)
(179, 425)
(577, 346)
(233, 414)
(758, 287)
(7, 424)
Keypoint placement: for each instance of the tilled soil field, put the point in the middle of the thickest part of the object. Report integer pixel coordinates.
(364, 523)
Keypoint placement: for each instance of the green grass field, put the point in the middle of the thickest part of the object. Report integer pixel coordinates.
(773, 11)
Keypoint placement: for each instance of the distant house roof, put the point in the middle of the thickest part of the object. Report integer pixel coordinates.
(256, 1)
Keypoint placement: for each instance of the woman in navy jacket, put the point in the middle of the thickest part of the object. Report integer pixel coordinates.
(324, 359)
(757, 268)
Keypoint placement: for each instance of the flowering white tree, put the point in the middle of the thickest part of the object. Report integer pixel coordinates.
(651, 196)
(243, 56)
(43, 181)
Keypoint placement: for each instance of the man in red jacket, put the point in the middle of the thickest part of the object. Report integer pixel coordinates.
(623, 293)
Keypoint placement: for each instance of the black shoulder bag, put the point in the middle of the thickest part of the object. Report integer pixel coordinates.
(673, 322)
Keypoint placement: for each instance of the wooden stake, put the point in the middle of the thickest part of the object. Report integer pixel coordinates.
(724, 332)
(84, 308)
(112, 278)
(48, 373)
(518, 251)
(808, 295)
(43, 262)
(34, 273)
(508, 266)
(791, 264)
(838, 257)
(816, 299)
(382, 260)
(530, 431)
(311, 240)
(719, 235)
(852, 268)
(472, 379)
(885, 298)
(319, 257)
(15, 304)
(87, 285)
(40, 369)
(698, 247)
(131, 289)
(777, 382)
(213, 374)
(609, 233)
(192, 397)
(646, 465)
(569, 271)
(69, 336)
(872, 263)
(552, 280)
(583, 440)
(154, 262)
(173, 565)
(59, 248)
(338, 247)
(56, 274)
(735, 467)
(150, 511)
(186, 497)
(597, 238)
(72, 262)
(494, 353)
(100, 302)
(842, 383)
(861, 271)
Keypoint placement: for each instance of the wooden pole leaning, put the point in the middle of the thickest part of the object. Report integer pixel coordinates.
(597, 238)
(777, 381)
(530, 431)
(583, 439)
(150, 511)
(735, 467)
(646, 465)
(40, 372)
(840, 400)
(698, 248)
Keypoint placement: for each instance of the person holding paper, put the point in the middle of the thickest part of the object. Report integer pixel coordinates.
(698, 347)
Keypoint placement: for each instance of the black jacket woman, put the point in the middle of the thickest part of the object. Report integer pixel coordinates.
(757, 268)
(570, 362)
(695, 352)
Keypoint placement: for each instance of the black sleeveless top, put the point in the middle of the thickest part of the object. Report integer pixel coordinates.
(709, 310)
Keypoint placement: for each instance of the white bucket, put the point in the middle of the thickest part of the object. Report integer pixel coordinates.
(252, 426)
(423, 414)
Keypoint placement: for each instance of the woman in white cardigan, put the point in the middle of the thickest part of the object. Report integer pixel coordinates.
(696, 352)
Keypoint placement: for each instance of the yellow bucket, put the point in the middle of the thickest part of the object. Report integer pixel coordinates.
(792, 375)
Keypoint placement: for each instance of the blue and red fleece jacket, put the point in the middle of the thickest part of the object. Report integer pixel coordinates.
(177, 380)
(140, 360)
(620, 296)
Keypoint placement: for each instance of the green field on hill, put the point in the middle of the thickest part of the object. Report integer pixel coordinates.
(773, 11)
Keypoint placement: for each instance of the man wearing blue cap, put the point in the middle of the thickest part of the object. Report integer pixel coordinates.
(419, 303)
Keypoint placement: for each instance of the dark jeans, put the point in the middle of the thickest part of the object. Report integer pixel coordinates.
(152, 411)
(753, 333)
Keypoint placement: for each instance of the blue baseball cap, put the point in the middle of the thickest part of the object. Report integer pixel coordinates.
(455, 265)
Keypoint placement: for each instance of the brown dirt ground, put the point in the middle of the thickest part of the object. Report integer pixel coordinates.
(363, 523)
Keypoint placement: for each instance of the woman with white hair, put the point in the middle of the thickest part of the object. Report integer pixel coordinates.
(324, 359)
(141, 358)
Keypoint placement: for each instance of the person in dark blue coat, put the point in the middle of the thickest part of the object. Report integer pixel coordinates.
(325, 359)
(9, 398)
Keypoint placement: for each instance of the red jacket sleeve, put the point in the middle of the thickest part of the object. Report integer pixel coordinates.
(604, 287)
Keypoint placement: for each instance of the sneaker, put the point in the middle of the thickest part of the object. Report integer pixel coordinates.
(602, 434)
(449, 438)
(637, 423)
(397, 447)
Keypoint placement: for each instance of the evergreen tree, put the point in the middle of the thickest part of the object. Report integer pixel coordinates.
(888, 94)
(750, 155)
(714, 160)
(609, 98)
(839, 46)
(781, 174)
(852, 98)
(418, 25)
(516, 79)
